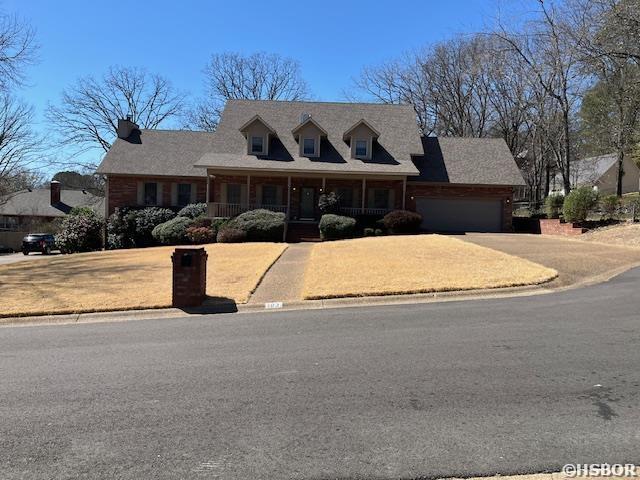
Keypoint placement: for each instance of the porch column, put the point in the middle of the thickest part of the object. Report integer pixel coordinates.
(364, 192)
(288, 197)
(324, 185)
(404, 192)
(208, 187)
(248, 191)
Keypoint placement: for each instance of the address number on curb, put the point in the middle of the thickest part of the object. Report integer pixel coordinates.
(270, 305)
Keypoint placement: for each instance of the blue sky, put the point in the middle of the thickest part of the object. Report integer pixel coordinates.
(175, 38)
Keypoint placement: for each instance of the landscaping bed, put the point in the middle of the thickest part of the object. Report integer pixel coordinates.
(413, 264)
(126, 279)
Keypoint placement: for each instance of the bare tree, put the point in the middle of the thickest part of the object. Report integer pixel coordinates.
(548, 50)
(18, 143)
(611, 109)
(260, 76)
(17, 51)
(403, 81)
(88, 113)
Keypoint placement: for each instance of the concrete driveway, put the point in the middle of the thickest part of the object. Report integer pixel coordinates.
(575, 260)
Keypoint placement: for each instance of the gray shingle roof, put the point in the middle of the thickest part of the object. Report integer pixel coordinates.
(588, 171)
(399, 137)
(157, 152)
(483, 161)
(37, 202)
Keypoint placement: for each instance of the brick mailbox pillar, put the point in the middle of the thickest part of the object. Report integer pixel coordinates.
(189, 277)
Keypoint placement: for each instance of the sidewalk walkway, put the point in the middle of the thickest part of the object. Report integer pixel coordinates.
(283, 281)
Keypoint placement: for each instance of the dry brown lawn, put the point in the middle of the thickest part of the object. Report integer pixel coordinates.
(413, 264)
(126, 279)
(627, 235)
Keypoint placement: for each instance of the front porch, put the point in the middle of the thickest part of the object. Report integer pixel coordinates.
(230, 194)
(228, 210)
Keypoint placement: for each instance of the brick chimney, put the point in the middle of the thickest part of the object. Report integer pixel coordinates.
(55, 192)
(126, 126)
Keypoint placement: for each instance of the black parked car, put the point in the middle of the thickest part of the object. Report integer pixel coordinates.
(38, 242)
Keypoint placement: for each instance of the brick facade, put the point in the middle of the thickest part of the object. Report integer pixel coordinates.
(122, 191)
(503, 193)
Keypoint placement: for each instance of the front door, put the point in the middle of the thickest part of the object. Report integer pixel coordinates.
(307, 203)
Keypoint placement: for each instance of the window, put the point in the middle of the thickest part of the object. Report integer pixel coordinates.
(380, 198)
(184, 194)
(361, 148)
(269, 195)
(346, 196)
(234, 193)
(8, 223)
(309, 146)
(257, 144)
(150, 193)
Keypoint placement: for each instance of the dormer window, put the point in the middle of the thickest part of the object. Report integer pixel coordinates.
(308, 135)
(257, 144)
(309, 146)
(362, 148)
(360, 137)
(257, 132)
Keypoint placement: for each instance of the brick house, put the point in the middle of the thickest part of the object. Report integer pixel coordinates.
(283, 155)
(35, 209)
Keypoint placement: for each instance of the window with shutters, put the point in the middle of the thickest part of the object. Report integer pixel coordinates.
(269, 195)
(184, 194)
(150, 193)
(234, 193)
(380, 198)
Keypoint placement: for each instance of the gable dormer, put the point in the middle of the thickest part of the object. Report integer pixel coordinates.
(308, 134)
(360, 138)
(258, 134)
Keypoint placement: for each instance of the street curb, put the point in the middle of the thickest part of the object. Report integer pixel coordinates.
(348, 302)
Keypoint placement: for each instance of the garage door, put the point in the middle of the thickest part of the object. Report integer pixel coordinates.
(460, 214)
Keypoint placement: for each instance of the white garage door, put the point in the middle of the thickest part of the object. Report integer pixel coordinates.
(460, 214)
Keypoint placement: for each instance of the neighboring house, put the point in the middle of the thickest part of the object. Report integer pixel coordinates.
(23, 210)
(283, 155)
(601, 173)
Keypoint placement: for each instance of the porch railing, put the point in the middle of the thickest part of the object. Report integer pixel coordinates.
(354, 211)
(227, 210)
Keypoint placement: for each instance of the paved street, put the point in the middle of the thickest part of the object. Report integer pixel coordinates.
(460, 388)
(9, 258)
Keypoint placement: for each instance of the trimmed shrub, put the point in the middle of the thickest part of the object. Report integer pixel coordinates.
(329, 203)
(129, 228)
(199, 235)
(610, 206)
(379, 232)
(80, 232)
(336, 227)
(579, 203)
(173, 232)
(193, 210)
(553, 205)
(145, 221)
(202, 222)
(229, 234)
(369, 232)
(260, 225)
(402, 221)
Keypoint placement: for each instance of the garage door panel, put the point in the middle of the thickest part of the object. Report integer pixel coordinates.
(460, 214)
